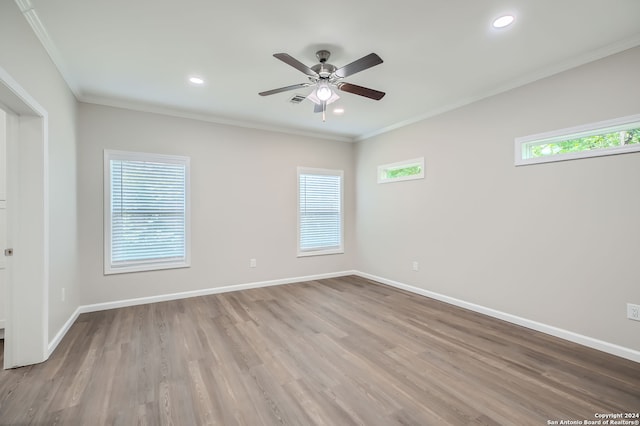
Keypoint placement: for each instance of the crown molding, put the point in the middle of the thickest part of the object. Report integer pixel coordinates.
(30, 14)
(556, 68)
(194, 115)
(36, 24)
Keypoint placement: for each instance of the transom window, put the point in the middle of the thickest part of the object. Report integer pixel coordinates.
(146, 211)
(609, 137)
(402, 170)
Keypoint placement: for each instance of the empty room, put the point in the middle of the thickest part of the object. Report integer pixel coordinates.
(334, 213)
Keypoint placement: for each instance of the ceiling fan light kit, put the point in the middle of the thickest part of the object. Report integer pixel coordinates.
(327, 78)
(323, 92)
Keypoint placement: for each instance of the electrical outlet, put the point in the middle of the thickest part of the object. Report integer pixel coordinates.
(63, 296)
(633, 311)
(252, 263)
(415, 265)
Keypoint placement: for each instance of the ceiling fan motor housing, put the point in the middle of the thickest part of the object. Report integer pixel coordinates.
(323, 69)
(323, 55)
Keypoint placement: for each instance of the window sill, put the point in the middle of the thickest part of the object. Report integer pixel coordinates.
(320, 252)
(145, 267)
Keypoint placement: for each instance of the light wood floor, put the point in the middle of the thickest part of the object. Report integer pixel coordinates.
(342, 351)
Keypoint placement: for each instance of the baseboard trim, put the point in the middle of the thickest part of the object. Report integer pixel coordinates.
(587, 341)
(583, 340)
(53, 344)
(207, 291)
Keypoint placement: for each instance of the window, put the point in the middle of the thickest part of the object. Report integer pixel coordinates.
(320, 216)
(593, 140)
(403, 170)
(146, 218)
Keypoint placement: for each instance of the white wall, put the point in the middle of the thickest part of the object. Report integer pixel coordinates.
(24, 58)
(243, 201)
(554, 243)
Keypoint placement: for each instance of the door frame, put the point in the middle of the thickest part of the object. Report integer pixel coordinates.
(27, 310)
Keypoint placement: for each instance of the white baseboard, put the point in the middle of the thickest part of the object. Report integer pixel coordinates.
(590, 342)
(603, 346)
(53, 344)
(207, 291)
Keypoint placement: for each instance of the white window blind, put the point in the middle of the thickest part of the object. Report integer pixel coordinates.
(147, 211)
(320, 216)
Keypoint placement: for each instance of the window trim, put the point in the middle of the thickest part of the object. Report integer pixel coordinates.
(585, 130)
(318, 171)
(139, 266)
(382, 169)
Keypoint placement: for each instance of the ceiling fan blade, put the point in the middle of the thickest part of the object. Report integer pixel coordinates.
(319, 107)
(371, 60)
(362, 91)
(283, 89)
(290, 60)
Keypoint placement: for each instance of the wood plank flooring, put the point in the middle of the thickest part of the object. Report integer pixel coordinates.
(343, 351)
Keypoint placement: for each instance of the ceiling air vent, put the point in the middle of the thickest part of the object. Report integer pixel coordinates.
(297, 99)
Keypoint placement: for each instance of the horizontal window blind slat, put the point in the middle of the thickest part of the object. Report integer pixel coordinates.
(319, 212)
(148, 211)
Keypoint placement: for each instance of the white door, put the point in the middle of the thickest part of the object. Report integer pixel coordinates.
(3, 218)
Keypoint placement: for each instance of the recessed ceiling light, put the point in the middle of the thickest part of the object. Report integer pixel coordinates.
(338, 111)
(503, 21)
(196, 80)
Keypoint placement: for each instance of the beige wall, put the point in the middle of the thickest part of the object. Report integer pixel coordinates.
(554, 243)
(243, 201)
(24, 58)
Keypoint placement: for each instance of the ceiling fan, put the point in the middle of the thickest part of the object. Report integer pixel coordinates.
(326, 77)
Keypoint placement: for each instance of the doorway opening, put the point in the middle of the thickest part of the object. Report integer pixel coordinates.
(27, 226)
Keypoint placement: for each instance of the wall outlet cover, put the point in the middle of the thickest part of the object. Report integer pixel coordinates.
(633, 311)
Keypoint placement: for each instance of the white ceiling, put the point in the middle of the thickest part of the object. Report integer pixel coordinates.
(438, 54)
